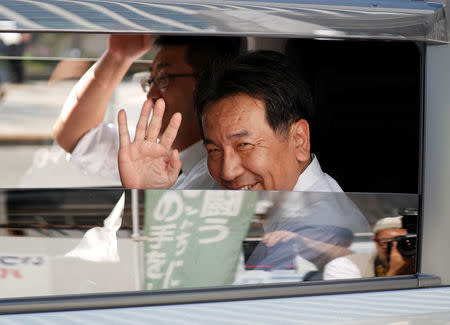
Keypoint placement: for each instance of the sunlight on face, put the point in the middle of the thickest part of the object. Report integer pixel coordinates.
(178, 95)
(243, 150)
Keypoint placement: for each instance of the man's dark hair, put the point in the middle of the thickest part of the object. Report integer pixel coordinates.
(266, 75)
(203, 51)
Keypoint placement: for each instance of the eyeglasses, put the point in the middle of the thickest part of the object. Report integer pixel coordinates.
(162, 80)
(383, 242)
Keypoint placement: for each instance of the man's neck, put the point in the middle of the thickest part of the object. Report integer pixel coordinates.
(304, 165)
(302, 168)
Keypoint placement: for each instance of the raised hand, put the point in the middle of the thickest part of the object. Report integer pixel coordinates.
(129, 46)
(145, 163)
(275, 237)
(399, 264)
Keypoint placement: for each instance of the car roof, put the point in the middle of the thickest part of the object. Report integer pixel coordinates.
(349, 19)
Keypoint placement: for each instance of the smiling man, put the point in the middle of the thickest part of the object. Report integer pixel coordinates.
(254, 113)
(245, 153)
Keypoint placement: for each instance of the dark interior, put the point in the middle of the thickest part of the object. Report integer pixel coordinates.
(367, 97)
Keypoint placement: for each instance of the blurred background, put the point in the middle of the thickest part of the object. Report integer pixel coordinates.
(37, 72)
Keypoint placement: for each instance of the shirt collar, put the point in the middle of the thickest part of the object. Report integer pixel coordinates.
(310, 175)
(191, 156)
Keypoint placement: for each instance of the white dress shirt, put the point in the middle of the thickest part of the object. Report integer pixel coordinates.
(341, 268)
(318, 212)
(318, 199)
(313, 179)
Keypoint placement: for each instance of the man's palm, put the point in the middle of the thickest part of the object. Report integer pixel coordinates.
(145, 163)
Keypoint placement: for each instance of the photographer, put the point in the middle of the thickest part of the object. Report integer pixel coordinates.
(395, 253)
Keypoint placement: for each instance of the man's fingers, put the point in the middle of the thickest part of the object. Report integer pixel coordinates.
(394, 249)
(174, 166)
(147, 41)
(141, 127)
(273, 238)
(155, 124)
(171, 131)
(124, 135)
(267, 237)
(288, 236)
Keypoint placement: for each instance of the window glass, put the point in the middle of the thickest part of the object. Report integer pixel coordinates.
(68, 227)
(86, 241)
(366, 100)
(37, 73)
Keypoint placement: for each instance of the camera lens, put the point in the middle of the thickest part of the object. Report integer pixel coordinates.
(407, 245)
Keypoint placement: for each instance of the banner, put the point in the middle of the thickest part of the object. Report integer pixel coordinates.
(194, 238)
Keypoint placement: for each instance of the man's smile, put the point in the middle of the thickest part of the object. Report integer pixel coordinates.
(247, 187)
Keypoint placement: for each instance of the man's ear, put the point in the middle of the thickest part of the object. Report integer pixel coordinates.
(300, 131)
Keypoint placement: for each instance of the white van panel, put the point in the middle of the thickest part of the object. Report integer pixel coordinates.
(436, 199)
(417, 306)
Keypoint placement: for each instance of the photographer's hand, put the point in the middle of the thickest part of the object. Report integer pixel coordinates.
(399, 264)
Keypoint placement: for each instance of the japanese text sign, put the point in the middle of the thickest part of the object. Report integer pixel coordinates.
(194, 237)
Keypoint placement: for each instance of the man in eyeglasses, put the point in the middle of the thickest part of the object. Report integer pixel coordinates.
(94, 144)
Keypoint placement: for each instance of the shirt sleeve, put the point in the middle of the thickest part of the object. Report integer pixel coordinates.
(97, 151)
(197, 179)
(341, 268)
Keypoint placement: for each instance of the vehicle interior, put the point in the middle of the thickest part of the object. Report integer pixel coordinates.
(367, 98)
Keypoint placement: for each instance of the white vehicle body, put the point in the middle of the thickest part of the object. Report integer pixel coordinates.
(420, 298)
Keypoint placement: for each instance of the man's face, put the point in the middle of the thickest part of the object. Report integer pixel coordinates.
(383, 237)
(178, 95)
(243, 151)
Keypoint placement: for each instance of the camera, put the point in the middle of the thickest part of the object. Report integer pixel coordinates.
(406, 245)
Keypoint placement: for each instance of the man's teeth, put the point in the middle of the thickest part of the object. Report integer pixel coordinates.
(246, 187)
